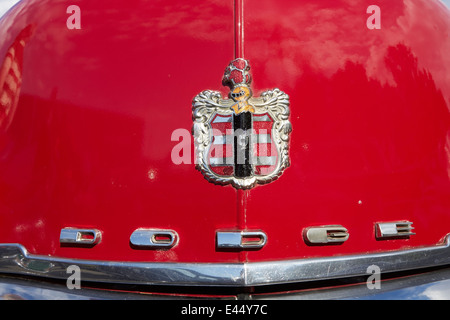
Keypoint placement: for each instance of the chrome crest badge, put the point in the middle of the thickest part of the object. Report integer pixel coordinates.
(242, 140)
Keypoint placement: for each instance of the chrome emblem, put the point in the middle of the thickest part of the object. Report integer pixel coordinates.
(241, 240)
(398, 229)
(242, 140)
(331, 234)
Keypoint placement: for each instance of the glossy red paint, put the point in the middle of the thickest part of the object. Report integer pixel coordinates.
(90, 145)
(90, 142)
(370, 118)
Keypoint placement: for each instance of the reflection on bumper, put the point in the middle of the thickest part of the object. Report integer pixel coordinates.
(433, 284)
(15, 259)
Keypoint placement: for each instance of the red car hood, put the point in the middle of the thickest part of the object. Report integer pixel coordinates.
(102, 110)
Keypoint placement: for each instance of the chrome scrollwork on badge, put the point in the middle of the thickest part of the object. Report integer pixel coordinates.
(242, 140)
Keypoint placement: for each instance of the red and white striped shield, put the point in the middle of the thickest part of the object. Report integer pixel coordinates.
(243, 140)
(264, 154)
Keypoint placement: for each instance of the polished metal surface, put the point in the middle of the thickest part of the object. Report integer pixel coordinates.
(326, 234)
(241, 239)
(15, 259)
(12, 288)
(394, 229)
(431, 285)
(79, 236)
(272, 104)
(154, 238)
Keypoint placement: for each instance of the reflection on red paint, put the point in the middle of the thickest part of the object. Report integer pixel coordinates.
(90, 145)
(11, 78)
(370, 117)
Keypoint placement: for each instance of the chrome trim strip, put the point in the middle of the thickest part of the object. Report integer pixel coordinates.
(394, 229)
(80, 236)
(149, 238)
(14, 259)
(236, 239)
(433, 285)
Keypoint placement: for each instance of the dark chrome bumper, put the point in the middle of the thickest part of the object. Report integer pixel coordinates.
(21, 269)
(430, 284)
